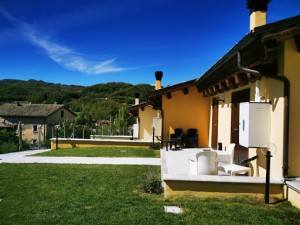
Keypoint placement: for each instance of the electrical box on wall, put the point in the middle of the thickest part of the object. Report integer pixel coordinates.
(255, 124)
(136, 130)
(157, 125)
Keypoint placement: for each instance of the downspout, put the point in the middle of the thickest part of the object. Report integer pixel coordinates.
(286, 109)
(253, 72)
(246, 70)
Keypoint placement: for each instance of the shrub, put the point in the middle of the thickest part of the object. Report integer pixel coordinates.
(154, 146)
(9, 142)
(8, 147)
(46, 143)
(25, 145)
(7, 136)
(152, 183)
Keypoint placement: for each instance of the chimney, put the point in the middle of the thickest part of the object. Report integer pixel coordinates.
(158, 76)
(137, 98)
(258, 12)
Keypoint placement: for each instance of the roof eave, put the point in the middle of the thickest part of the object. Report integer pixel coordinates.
(246, 41)
(171, 88)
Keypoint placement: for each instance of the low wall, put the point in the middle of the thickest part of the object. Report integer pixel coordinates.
(112, 137)
(179, 184)
(90, 143)
(219, 186)
(293, 193)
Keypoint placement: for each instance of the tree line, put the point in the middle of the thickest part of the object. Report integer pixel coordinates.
(98, 102)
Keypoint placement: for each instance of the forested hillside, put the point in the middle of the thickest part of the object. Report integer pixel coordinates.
(35, 91)
(100, 101)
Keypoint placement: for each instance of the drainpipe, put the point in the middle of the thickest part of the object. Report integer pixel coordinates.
(253, 72)
(246, 70)
(286, 110)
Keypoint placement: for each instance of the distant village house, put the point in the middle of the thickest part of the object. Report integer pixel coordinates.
(37, 120)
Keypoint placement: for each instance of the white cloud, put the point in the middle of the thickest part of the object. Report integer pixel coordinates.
(60, 54)
(71, 60)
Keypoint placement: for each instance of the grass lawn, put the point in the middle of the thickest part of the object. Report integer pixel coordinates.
(104, 152)
(110, 194)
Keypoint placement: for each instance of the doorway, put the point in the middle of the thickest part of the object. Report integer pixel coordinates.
(240, 152)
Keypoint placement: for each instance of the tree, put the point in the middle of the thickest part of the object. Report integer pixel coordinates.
(123, 119)
(100, 110)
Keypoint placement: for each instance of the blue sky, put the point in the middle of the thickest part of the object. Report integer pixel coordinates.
(97, 41)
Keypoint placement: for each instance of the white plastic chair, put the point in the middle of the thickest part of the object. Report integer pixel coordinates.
(228, 166)
(206, 163)
(230, 150)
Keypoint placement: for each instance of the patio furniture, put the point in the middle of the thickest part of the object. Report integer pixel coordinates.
(227, 155)
(206, 163)
(167, 143)
(233, 169)
(176, 138)
(192, 138)
(225, 162)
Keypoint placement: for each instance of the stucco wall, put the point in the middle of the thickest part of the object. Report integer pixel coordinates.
(186, 111)
(272, 90)
(95, 143)
(293, 197)
(145, 123)
(28, 134)
(292, 72)
(175, 188)
(56, 118)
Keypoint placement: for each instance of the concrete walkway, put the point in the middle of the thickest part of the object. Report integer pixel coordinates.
(24, 157)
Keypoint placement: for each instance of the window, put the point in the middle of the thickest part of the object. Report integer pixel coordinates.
(62, 114)
(34, 128)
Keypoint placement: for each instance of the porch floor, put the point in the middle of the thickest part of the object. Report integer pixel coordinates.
(177, 161)
(177, 178)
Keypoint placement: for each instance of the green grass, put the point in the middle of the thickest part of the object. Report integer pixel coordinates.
(103, 152)
(110, 194)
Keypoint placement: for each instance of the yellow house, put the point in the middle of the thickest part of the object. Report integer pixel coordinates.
(168, 108)
(263, 69)
(37, 120)
(182, 106)
(249, 97)
(148, 118)
(143, 128)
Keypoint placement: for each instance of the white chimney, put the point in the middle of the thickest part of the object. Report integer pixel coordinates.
(137, 98)
(158, 76)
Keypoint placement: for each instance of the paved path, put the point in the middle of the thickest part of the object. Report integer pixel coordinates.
(24, 157)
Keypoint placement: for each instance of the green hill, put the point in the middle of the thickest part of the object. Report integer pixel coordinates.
(78, 98)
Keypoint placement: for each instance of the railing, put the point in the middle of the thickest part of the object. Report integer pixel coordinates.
(85, 132)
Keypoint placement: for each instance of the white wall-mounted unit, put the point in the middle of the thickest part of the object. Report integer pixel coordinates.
(157, 124)
(255, 124)
(136, 130)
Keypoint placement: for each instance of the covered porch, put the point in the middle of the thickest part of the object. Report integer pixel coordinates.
(180, 180)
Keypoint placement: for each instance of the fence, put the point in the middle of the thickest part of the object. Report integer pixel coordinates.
(84, 132)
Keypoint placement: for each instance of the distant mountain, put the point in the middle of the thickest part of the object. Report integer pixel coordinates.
(74, 96)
